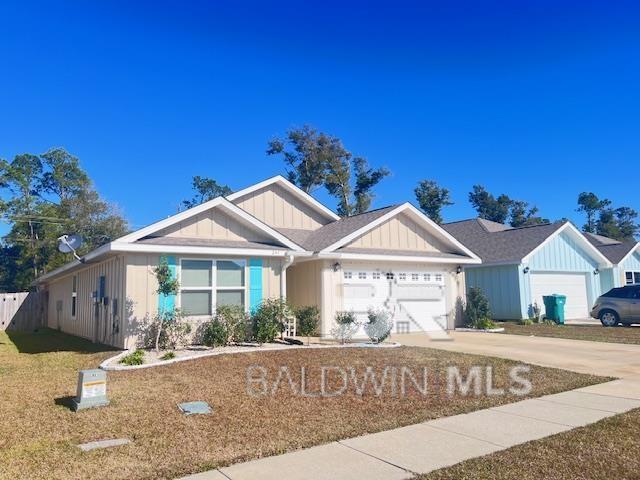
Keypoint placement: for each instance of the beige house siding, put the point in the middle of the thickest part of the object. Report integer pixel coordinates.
(331, 296)
(304, 284)
(94, 322)
(399, 233)
(142, 299)
(214, 224)
(279, 208)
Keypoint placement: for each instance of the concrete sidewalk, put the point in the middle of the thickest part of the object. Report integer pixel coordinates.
(424, 447)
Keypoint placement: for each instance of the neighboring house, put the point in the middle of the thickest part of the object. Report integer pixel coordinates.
(625, 260)
(521, 265)
(268, 240)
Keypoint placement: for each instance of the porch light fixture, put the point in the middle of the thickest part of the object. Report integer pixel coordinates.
(459, 270)
(337, 267)
(526, 270)
(596, 271)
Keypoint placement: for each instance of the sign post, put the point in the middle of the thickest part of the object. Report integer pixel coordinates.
(92, 390)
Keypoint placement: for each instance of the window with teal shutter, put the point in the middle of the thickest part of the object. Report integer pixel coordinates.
(167, 303)
(255, 283)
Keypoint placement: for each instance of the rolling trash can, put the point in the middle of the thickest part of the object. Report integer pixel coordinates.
(554, 307)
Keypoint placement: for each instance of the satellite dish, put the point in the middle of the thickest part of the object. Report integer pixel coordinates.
(69, 244)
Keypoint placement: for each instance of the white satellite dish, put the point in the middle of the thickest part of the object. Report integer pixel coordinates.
(69, 244)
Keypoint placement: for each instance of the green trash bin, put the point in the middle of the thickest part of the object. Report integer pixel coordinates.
(554, 307)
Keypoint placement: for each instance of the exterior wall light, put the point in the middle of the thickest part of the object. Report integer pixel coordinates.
(459, 270)
(337, 267)
(526, 270)
(596, 271)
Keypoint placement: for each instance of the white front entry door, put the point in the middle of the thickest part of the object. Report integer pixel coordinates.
(573, 285)
(415, 297)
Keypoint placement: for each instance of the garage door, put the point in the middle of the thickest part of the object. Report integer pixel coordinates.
(414, 297)
(573, 285)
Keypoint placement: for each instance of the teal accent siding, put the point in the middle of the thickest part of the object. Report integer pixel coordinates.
(255, 283)
(501, 286)
(167, 303)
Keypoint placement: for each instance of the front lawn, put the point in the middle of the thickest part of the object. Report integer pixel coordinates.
(39, 434)
(594, 333)
(602, 451)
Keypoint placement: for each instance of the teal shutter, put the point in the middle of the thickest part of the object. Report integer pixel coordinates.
(167, 303)
(255, 283)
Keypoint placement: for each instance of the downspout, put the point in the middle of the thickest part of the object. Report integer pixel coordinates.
(288, 260)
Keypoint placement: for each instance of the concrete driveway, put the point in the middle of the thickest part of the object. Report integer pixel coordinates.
(598, 358)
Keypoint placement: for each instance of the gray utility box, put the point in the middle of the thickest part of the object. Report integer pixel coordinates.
(92, 389)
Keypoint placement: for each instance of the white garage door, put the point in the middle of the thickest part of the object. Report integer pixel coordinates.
(573, 285)
(414, 297)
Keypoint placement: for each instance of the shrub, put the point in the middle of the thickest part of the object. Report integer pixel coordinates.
(526, 321)
(271, 319)
(379, 326)
(308, 319)
(214, 334)
(485, 324)
(168, 356)
(477, 309)
(134, 358)
(346, 326)
(236, 322)
(174, 334)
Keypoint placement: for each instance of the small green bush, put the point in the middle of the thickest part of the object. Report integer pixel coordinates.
(485, 324)
(379, 326)
(214, 334)
(168, 356)
(134, 358)
(236, 322)
(308, 319)
(346, 326)
(526, 321)
(270, 319)
(345, 318)
(477, 309)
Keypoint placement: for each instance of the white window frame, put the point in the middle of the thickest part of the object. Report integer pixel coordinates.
(213, 288)
(74, 296)
(635, 277)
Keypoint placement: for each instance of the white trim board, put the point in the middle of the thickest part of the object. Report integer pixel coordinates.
(430, 225)
(287, 185)
(579, 237)
(396, 258)
(216, 202)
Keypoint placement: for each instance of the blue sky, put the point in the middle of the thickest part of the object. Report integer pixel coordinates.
(539, 100)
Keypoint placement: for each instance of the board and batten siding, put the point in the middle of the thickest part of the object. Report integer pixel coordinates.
(142, 298)
(93, 321)
(500, 284)
(279, 208)
(561, 254)
(214, 224)
(631, 264)
(304, 284)
(399, 233)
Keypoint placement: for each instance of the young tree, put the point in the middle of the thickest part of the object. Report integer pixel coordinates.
(167, 285)
(488, 206)
(206, 189)
(591, 206)
(432, 199)
(627, 219)
(607, 224)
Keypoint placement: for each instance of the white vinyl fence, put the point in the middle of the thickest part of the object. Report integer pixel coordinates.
(22, 310)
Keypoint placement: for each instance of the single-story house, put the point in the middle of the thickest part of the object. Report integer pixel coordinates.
(521, 265)
(268, 240)
(624, 258)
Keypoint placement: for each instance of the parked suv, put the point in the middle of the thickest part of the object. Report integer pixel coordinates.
(618, 305)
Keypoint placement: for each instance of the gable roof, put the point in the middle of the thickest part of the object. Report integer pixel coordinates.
(615, 250)
(290, 187)
(496, 243)
(221, 202)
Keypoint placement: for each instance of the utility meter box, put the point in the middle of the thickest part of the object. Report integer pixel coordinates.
(92, 389)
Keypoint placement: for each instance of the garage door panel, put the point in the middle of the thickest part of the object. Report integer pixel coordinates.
(573, 285)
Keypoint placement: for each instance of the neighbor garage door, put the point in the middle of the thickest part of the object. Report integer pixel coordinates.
(415, 297)
(573, 285)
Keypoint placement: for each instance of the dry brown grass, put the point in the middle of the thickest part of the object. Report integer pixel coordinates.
(39, 434)
(603, 451)
(594, 333)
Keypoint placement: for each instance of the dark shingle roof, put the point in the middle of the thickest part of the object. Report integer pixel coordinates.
(327, 235)
(614, 250)
(497, 243)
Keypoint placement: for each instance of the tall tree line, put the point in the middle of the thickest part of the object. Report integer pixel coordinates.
(41, 198)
